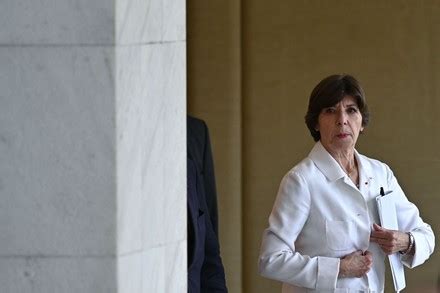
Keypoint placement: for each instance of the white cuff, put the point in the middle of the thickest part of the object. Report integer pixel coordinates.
(328, 271)
(421, 251)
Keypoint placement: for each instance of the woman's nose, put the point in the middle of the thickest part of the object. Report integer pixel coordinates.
(341, 118)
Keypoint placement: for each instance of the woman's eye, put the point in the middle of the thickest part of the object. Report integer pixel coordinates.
(329, 110)
(352, 110)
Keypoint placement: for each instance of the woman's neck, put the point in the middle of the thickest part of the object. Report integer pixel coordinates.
(345, 158)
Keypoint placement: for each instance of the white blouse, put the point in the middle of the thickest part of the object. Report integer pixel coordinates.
(319, 216)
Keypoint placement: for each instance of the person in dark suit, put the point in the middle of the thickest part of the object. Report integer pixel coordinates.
(205, 267)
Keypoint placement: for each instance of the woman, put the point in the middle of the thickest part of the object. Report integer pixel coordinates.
(324, 233)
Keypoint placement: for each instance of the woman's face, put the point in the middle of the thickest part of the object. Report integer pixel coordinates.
(340, 125)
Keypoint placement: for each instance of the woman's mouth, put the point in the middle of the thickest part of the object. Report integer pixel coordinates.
(342, 135)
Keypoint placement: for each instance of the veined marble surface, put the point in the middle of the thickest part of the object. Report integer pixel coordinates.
(133, 105)
(57, 149)
(151, 167)
(159, 269)
(174, 20)
(99, 22)
(59, 274)
(168, 194)
(139, 21)
(130, 273)
(151, 141)
(93, 146)
(57, 22)
(166, 275)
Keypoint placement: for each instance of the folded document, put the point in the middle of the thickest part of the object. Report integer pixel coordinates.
(388, 219)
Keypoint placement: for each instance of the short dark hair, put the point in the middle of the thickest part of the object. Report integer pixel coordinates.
(330, 91)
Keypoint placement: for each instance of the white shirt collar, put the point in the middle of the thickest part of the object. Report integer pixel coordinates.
(329, 166)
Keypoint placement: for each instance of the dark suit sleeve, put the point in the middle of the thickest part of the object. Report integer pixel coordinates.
(199, 149)
(209, 181)
(212, 274)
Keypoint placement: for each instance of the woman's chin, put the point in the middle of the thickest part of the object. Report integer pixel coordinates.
(343, 144)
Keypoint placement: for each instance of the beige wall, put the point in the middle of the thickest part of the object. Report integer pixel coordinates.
(251, 67)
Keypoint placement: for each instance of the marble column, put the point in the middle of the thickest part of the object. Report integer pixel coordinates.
(92, 146)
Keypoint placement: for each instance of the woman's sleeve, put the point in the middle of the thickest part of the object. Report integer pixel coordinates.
(278, 258)
(409, 220)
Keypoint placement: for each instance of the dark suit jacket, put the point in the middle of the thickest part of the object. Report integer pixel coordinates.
(205, 268)
(199, 149)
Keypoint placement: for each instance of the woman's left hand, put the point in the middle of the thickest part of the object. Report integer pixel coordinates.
(390, 241)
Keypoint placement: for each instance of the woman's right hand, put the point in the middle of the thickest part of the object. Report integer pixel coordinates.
(355, 264)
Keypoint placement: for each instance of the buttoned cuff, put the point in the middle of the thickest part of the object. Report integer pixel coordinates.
(328, 271)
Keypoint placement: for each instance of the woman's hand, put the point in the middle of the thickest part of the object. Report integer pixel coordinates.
(355, 264)
(390, 241)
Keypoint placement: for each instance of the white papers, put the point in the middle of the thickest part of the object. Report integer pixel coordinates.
(388, 220)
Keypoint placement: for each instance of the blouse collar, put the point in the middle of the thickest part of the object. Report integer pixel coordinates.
(327, 164)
